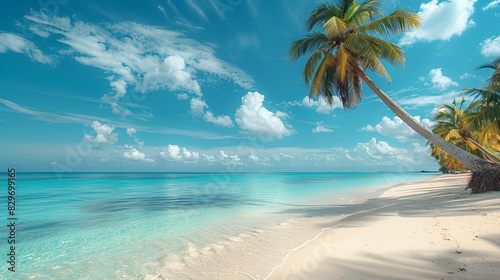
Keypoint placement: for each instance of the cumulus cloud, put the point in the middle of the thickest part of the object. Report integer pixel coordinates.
(282, 156)
(222, 154)
(198, 107)
(321, 105)
(222, 120)
(134, 154)
(182, 96)
(491, 47)
(441, 21)
(320, 128)
(104, 134)
(233, 160)
(176, 153)
(396, 128)
(381, 153)
(255, 119)
(120, 87)
(440, 80)
(253, 157)
(146, 57)
(372, 153)
(18, 44)
(131, 131)
(208, 158)
(492, 4)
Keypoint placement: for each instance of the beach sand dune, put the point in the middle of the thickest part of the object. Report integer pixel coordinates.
(425, 230)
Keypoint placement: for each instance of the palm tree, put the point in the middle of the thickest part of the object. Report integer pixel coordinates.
(494, 81)
(453, 127)
(349, 44)
(486, 118)
(450, 122)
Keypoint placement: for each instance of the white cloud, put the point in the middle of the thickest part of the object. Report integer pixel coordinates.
(280, 114)
(253, 157)
(146, 57)
(182, 96)
(120, 87)
(134, 154)
(396, 128)
(441, 21)
(282, 156)
(467, 75)
(321, 105)
(198, 109)
(222, 154)
(492, 4)
(18, 44)
(118, 109)
(320, 128)
(253, 117)
(176, 153)
(490, 47)
(233, 160)
(380, 153)
(440, 80)
(372, 153)
(198, 106)
(222, 120)
(208, 158)
(86, 119)
(430, 100)
(131, 131)
(104, 134)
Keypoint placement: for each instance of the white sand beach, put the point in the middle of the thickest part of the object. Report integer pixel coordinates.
(428, 230)
(432, 229)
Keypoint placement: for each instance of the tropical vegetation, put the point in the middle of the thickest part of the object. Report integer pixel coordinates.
(475, 129)
(453, 124)
(345, 41)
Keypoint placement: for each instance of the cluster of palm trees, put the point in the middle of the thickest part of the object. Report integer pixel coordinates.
(346, 40)
(475, 128)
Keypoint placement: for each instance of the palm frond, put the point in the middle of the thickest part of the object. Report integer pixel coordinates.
(321, 14)
(394, 24)
(335, 27)
(313, 41)
(388, 51)
(312, 63)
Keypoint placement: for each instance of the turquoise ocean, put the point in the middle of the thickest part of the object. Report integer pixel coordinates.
(89, 225)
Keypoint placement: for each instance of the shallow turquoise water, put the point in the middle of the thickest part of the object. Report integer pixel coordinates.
(89, 225)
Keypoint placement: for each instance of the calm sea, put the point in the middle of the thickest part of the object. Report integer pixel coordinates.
(91, 225)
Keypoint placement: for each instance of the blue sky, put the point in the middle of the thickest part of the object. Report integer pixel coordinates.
(206, 85)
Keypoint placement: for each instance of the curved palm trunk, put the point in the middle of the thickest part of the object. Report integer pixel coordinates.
(484, 151)
(472, 162)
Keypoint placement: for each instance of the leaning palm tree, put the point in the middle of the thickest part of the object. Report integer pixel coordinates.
(345, 42)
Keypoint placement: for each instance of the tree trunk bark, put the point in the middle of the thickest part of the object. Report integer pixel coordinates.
(484, 151)
(472, 162)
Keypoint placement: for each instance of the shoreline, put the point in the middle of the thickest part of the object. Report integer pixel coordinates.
(430, 229)
(258, 253)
